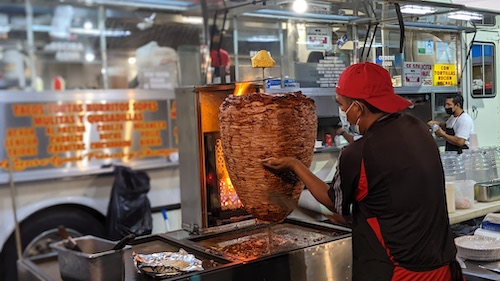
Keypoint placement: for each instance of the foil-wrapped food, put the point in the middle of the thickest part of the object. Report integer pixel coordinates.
(167, 264)
(257, 126)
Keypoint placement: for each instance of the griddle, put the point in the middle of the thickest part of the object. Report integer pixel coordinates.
(266, 240)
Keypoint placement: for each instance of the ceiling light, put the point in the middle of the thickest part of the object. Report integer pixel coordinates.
(89, 57)
(88, 24)
(300, 6)
(464, 15)
(417, 10)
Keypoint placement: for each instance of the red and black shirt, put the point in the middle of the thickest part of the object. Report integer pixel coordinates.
(392, 183)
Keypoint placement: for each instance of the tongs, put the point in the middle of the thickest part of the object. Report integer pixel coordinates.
(124, 241)
(68, 241)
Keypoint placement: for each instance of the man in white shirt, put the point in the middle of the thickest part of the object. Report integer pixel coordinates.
(458, 127)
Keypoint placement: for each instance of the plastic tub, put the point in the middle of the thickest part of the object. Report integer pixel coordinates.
(464, 193)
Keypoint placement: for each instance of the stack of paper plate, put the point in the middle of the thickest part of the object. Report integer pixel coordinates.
(480, 248)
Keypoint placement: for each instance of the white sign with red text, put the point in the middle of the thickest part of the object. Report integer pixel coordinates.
(417, 74)
(318, 38)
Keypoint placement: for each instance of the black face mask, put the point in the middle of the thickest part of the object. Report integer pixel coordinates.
(449, 111)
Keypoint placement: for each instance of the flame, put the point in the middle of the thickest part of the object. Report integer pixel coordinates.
(242, 88)
(228, 197)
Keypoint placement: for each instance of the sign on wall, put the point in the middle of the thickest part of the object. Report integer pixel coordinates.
(425, 47)
(318, 38)
(86, 134)
(445, 75)
(417, 74)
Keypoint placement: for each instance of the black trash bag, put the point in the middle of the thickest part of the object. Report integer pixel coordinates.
(129, 209)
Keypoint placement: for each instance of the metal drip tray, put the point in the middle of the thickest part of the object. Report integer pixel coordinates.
(261, 241)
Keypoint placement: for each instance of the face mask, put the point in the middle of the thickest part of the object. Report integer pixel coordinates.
(355, 128)
(343, 114)
(449, 111)
(343, 119)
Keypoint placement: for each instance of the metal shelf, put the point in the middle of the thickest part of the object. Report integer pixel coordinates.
(426, 89)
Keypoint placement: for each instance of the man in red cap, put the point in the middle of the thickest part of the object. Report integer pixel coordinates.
(390, 182)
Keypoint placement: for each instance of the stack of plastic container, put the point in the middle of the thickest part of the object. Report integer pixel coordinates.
(496, 160)
(478, 165)
(453, 166)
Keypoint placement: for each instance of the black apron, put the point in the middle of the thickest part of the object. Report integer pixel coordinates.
(452, 147)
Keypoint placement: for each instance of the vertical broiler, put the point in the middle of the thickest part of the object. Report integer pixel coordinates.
(245, 114)
(207, 196)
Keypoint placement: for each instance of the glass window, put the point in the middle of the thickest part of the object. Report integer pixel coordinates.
(483, 70)
(488, 20)
(145, 48)
(14, 72)
(254, 36)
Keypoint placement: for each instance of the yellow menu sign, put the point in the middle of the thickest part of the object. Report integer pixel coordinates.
(82, 134)
(444, 75)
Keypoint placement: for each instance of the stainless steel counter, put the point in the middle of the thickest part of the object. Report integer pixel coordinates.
(478, 210)
(327, 259)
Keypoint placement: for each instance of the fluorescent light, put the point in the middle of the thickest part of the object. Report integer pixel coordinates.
(299, 6)
(97, 32)
(263, 38)
(192, 20)
(464, 15)
(417, 10)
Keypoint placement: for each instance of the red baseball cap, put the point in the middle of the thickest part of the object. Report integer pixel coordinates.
(372, 83)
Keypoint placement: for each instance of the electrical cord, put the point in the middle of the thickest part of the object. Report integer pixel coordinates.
(468, 53)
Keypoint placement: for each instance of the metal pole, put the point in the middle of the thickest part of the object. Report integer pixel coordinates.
(355, 36)
(102, 36)
(206, 66)
(30, 40)
(355, 40)
(282, 53)
(236, 51)
(13, 197)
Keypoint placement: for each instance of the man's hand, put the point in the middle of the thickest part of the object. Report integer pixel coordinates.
(432, 122)
(285, 163)
(339, 131)
(440, 132)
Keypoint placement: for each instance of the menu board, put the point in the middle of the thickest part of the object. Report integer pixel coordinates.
(329, 70)
(85, 134)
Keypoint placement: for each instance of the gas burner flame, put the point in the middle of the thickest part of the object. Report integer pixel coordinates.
(242, 89)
